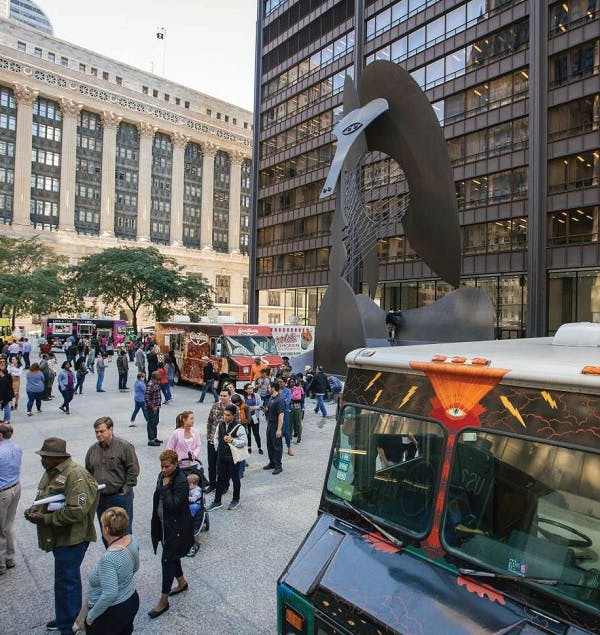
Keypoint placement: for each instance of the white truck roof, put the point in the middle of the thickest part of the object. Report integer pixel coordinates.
(533, 361)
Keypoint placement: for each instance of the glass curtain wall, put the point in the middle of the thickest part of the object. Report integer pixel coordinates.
(88, 175)
(8, 127)
(160, 209)
(126, 181)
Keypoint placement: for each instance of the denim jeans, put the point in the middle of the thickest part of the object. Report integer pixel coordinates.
(209, 386)
(6, 412)
(116, 500)
(100, 379)
(166, 391)
(34, 396)
(67, 584)
(67, 396)
(139, 405)
(320, 404)
(152, 423)
(287, 434)
(79, 384)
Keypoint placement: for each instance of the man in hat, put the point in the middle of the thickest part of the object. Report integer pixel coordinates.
(208, 380)
(10, 492)
(67, 531)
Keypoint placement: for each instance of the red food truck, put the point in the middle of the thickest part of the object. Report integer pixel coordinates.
(230, 347)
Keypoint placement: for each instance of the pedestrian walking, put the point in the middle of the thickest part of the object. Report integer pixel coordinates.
(112, 597)
(275, 411)
(68, 531)
(48, 367)
(164, 382)
(171, 526)
(15, 370)
(208, 380)
(26, 352)
(91, 358)
(185, 439)
(297, 409)
(319, 387)
(254, 404)
(35, 387)
(80, 372)
(140, 360)
(101, 365)
(113, 462)
(152, 361)
(228, 432)
(152, 399)
(10, 492)
(139, 391)
(122, 370)
(66, 386)
(286, 393)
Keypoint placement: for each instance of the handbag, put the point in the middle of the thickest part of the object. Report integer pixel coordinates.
(238, 454)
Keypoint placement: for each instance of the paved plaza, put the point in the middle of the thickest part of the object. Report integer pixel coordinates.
(232, 578)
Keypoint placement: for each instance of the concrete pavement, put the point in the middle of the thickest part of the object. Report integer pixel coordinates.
(232, 578)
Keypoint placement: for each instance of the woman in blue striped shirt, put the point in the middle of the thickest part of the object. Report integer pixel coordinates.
(113, 600)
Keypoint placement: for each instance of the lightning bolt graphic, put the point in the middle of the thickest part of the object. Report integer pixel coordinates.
(375, 378)
(377, 396)
(548, 397)
(513, 411)
(411, 391)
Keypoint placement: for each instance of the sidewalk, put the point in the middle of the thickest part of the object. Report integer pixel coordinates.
(233, 577)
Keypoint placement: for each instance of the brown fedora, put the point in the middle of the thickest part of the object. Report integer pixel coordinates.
(53, 446)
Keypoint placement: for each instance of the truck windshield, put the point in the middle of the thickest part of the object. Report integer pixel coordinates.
(251, 346)
(387, 465)
(527, 509)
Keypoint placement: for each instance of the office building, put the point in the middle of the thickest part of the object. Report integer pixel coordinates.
(95, 153)
(515, 85)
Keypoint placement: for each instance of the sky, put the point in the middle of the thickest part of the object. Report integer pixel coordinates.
(209, 45)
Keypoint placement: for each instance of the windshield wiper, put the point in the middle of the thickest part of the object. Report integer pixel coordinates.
(473, 573)
(381, 530)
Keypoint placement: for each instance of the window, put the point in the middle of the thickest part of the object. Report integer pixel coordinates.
(167, 97)
(37, 51)
(387, 466)
(226, 118)
(525, 508)
(218, 115)
(94, 72)
(82, 68)
(222, 289)
(64, 61)
(186, 104)
(51, 57)
(22, 47)
(274, 298)
(154, 92)
(119, 81)
(177, 101)
(245, 125)
(145, 90)
(105, 75)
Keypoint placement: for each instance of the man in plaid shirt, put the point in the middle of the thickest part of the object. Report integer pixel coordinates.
(215, 417)
(152, 399)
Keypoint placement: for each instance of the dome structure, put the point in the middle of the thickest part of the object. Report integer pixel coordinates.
(28, 13)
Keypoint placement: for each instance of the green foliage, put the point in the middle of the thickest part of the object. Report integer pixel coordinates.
(33, 279)
(136, 277)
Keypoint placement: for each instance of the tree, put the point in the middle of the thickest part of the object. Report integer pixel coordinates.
(133, 277)
(195, 296)
(33, 279)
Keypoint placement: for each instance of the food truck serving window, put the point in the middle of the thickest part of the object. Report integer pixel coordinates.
(527, 510)
(250, 346)
(387, 465)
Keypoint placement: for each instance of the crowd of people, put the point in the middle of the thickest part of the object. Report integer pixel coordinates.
(104, 486)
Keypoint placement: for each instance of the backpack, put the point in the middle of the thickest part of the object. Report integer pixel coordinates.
(297, 393)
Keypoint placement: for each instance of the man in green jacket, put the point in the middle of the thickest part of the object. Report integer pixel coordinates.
(66, 531)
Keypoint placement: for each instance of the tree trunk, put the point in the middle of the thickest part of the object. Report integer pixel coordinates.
(13, 317)
(134, 320)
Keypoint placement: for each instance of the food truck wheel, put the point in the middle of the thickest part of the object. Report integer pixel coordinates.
(556, 539)
(177, 378)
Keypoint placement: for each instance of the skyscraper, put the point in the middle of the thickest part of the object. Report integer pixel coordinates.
(515, 85)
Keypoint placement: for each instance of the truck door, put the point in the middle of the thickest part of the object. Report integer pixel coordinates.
(216, 346)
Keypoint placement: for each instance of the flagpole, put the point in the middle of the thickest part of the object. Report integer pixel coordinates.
(161, 34)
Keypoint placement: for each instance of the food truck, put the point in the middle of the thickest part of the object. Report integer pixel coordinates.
(230, 347)
(462, 494)
(57, 329)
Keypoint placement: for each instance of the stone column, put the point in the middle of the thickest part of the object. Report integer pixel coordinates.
(147, 132)
(235, 188)
(179, 142)
(110, 125)
(25, 98)
(208, 189)
(70, 113)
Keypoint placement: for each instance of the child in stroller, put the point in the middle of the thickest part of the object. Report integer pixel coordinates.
(196, 480)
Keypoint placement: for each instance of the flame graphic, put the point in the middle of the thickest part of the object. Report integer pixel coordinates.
(375, 378)
(513, 411)
(377, 396)
(411, 391)
(548, 397)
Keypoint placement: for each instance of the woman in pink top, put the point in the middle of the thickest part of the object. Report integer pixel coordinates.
(185, 439)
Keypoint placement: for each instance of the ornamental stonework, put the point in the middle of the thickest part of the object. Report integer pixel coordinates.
(146, 129)
(110, 120)
(25, 95)
(179, 140)
(70, 108)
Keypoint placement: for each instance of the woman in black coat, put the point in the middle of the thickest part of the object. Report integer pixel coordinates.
(171, 525)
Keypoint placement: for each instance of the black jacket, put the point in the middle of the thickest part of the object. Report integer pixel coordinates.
(152, 359)
(176, 531)
(6, 390)
(208, 372)
(319, 384)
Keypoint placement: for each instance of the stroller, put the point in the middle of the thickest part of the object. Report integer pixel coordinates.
(200, 519)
